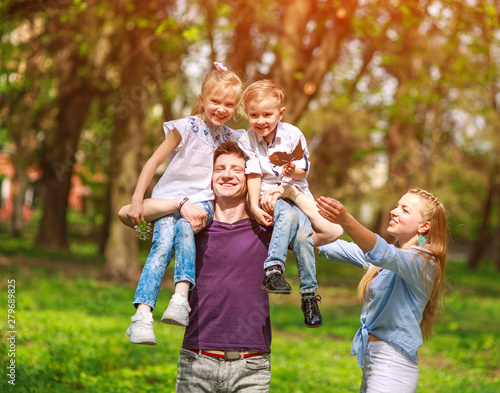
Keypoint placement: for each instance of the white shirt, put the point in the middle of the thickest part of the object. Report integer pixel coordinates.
(257, 151)
(190, 166)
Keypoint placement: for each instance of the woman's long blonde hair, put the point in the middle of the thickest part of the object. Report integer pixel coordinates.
(223, 80)
(435, 250)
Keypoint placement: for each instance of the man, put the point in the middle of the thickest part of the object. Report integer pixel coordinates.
(227, 342)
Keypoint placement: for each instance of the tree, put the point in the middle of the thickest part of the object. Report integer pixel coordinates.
(144, 65)
(23, 98)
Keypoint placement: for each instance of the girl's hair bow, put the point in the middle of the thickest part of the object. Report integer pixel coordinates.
(219, 66)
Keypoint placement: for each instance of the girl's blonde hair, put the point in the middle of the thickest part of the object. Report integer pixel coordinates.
(224, 81)
(435, 251)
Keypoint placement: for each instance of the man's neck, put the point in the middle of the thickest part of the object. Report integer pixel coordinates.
(229, 213)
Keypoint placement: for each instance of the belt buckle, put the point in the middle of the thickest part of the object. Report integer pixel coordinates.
(231, 355)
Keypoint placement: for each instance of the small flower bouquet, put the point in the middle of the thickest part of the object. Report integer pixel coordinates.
(143, 230)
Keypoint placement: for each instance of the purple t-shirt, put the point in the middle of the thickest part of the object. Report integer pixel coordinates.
(229, 310)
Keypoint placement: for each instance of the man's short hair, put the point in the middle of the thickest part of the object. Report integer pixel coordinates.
(228, 147)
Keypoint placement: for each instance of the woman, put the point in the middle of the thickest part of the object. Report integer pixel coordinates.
(401, 288)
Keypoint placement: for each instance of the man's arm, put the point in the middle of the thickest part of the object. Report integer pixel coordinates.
(324, 231)
(154, 208)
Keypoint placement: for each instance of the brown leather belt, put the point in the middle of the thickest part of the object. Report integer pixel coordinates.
(228, 355)
(372, 337)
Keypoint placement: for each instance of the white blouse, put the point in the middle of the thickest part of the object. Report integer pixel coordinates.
(190, 166)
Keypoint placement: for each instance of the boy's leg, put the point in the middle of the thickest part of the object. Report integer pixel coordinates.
(141, 327)
(284, 229)
(303, 249)
(177, 312)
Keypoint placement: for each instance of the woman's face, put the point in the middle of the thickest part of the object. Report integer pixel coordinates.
(406, 219)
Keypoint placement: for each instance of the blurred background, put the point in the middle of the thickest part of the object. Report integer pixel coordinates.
(390, 95)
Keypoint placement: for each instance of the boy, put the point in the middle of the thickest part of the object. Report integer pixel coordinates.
(277, 154)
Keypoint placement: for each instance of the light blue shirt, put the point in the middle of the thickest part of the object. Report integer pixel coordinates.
(399, 293)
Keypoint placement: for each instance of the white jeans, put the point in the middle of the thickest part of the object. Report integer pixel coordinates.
(387, 369)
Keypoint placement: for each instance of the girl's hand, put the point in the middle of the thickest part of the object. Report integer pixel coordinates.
(195, 215)
(332, 210)
(135, 213)
(262, 217)
(288, 169)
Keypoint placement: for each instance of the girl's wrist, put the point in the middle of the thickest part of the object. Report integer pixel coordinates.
(137, 199)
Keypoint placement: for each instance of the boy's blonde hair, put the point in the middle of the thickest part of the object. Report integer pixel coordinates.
(264, 90)
(224, 81)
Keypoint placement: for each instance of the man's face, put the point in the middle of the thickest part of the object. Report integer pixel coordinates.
(228, 179)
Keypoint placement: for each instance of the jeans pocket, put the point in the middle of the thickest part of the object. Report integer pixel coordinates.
(258, 363)
(187, 357)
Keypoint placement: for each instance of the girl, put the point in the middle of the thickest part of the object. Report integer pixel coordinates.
(189, 146)
(400, 290)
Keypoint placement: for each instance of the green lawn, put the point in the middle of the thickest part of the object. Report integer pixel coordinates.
(71, 336)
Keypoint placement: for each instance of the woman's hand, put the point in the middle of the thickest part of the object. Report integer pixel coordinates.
(332, 210)
(195, 215)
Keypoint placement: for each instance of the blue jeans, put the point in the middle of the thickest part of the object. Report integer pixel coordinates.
(170, 233)
(293, 228)
(199, 373)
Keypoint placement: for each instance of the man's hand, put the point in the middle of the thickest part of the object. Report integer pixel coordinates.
(269, 198)
(195, 215)
(262, 217)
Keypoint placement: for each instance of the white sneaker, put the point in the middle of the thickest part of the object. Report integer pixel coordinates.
(140, 330)
(177, 312)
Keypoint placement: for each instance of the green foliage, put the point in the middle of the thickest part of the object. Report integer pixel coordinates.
(71, 336)
(143, 230)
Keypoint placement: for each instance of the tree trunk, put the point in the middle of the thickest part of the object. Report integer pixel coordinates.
(75, 96)
(484, 235)
(314, 66)
(242, 51)
(19, 186)
(497, 245)
(122, 247)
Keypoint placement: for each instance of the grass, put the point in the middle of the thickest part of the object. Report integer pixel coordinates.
(71, 336)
